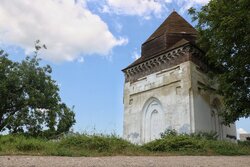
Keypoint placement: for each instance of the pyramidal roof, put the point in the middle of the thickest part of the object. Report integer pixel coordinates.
(174, 32)
(174, 23)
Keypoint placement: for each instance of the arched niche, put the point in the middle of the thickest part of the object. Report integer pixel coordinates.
(216, 119)
(153, 122)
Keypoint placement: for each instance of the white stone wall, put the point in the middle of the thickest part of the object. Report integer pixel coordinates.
(207, 106)
(169, 99)
(167, 90)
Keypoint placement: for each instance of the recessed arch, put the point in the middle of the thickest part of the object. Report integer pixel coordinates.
(152, 120)
(215, 117)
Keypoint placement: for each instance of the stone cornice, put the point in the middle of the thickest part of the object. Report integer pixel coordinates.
(166, 60)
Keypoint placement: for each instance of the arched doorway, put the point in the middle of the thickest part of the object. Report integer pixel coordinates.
(153, 120)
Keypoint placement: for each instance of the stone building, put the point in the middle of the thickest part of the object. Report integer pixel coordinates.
(164, 88)
(244, 136)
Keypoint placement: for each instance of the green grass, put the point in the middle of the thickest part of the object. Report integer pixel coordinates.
(74, 145)
(191, 145)
(108, 145)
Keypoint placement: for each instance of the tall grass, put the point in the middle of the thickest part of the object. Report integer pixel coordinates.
(19, 144)
(73, 145)
(196, 144)
(107, 145)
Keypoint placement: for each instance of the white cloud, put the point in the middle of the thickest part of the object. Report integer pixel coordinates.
(241, 131)
(147, 8)
(67, 27)
(186, 4)
(203, 2)
(144, 8)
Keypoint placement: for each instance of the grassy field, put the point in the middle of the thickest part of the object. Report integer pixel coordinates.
(108, 145)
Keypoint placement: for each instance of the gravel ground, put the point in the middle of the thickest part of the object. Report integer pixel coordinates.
(125, 161)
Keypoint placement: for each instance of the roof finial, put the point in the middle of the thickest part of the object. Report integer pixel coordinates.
(173, 9)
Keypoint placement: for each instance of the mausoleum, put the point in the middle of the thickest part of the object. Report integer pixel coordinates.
(164, 88)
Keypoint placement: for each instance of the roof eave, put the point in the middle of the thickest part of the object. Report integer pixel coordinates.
(186, 44)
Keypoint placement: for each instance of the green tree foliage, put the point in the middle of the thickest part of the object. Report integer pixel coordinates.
(224, 33)
(29, 99)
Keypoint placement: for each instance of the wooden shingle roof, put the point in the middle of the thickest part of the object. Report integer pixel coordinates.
(174, 23)
(174, 32)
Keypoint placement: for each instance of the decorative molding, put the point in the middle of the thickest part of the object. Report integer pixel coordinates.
(166, 60)
(167, 70)
(157, 87)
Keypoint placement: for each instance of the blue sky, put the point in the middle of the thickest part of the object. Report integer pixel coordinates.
(89, 42)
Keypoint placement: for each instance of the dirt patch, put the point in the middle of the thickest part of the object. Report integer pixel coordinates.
(125, 161)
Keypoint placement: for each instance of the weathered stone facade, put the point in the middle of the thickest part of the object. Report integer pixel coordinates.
(166, 91)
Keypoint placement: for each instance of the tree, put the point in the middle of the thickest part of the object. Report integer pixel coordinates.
(224, 33)
(29, 99)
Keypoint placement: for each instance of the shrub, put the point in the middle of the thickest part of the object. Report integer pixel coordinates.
(175, 143)
(169, 132)
(205, 135)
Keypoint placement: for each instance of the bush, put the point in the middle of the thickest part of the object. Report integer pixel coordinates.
(196, 144)
(205, 135)
(169, 132)
(175, 143)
